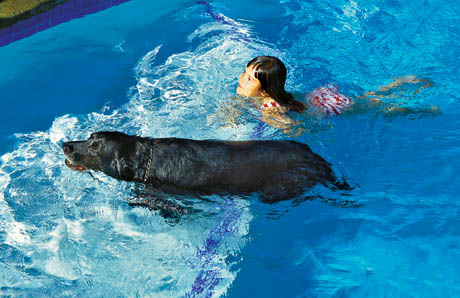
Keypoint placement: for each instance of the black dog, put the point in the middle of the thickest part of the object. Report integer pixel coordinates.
(277, 170)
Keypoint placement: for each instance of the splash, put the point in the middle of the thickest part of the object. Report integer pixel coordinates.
(77, 230)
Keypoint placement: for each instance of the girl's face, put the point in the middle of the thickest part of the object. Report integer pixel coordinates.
(248, 85)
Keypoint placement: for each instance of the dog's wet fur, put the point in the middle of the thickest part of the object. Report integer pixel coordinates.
(275, 169)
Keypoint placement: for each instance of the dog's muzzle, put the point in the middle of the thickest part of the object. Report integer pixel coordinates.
(69, 149)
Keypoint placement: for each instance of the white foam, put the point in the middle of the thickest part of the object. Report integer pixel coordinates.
(145, 65)
(59, 268)
(17, 234)
(171, 99)
(75, 228)
(61, 127)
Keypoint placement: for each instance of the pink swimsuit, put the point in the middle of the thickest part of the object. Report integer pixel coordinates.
(329, 99)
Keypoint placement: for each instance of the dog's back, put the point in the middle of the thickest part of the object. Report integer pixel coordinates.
(274, 168)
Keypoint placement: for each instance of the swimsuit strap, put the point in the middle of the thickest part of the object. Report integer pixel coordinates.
(271, 104)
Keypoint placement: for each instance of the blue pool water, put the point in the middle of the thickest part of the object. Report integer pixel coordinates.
(171, 69)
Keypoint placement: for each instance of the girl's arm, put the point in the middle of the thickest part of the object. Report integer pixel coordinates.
(282, 121)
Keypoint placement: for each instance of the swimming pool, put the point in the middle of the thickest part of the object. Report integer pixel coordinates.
(170, 70)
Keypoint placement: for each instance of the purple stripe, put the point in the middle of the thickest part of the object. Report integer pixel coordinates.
(207, 278)
(258, 131)
(216, 17)
(220, 18)
(61, 13)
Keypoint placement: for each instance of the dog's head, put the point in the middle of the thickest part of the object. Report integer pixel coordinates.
(109, 152)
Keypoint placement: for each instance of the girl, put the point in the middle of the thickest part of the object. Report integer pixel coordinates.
(264, 79)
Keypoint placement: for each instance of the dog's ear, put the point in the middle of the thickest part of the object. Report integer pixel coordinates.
(121, 170)
(115, 168)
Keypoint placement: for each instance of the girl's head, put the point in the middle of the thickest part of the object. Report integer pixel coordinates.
(266, 76)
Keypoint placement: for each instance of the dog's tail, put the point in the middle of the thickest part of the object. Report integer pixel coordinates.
(342, 184)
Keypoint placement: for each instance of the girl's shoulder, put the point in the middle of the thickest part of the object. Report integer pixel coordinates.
(269, 104)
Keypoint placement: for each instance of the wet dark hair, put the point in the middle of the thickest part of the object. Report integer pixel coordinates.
(271, 73)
